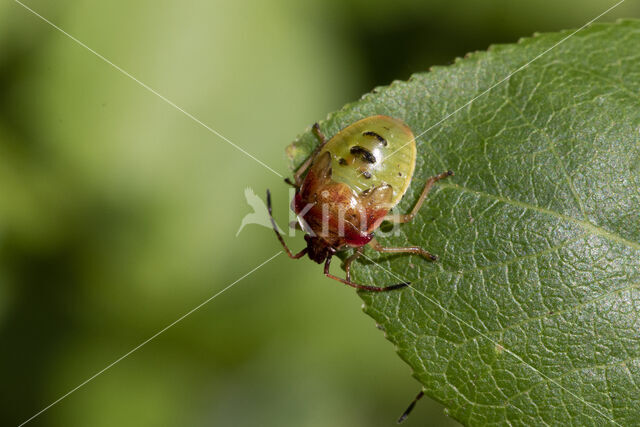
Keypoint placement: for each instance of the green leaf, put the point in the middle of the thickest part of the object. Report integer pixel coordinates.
(531, 316)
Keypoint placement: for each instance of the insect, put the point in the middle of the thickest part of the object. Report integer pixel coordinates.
(349, 189)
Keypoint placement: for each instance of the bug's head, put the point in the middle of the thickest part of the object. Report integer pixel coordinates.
(317, 248)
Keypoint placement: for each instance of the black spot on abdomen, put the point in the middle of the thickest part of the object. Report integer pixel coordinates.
(364, 154)
(376, 136)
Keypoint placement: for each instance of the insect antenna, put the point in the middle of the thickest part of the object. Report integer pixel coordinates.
(406, 413)
(275, 228)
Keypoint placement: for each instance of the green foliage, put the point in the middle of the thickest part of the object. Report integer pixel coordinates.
(531, 316)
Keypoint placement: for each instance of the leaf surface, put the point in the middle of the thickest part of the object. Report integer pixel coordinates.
(531, 316)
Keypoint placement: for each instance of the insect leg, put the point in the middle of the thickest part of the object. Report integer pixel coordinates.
(348, 261)
(303, 167)
(406, 413)
(408, 249)
(291, 183)
(275, 228)
(427, 187)
(318, 133)
(357, 286)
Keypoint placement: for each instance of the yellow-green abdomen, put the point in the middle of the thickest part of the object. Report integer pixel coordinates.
(371, 152)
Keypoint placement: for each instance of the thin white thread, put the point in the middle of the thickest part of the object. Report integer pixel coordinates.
(506, 350)
(264, 165)
(505, 79)
(145, 86)
(127, 354)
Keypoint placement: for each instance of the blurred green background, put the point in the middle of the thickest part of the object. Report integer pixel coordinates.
(118, 214)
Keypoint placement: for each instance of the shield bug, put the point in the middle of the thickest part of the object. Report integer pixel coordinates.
(345, 190)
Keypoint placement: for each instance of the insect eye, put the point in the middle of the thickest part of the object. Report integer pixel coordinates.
(364, 154)
(376, 136)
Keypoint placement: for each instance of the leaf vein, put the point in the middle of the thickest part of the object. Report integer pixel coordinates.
(588, 226)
